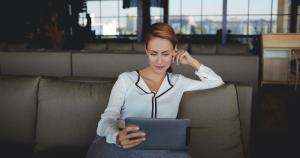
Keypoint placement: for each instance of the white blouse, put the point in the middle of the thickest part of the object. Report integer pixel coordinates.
(131, 97)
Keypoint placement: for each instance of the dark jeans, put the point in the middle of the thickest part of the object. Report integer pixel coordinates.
(101, 149)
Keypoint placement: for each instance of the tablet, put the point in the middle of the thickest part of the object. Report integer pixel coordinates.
(162, 133)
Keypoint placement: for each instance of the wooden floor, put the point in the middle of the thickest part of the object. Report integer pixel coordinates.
(276, 118)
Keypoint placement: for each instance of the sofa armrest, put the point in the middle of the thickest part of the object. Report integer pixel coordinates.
(244, 94)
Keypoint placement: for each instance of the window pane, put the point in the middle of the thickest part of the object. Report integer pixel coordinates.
(174, 7)
(128, 11)
(237, 7)
(211, 24)
(275, 7)
(127, 25)
(156, 11)
(280, 23)
(175, 21)
(191, 7)
(109, 8)
(155, 19)
(191, 25)
(212, 7)
(96, 26)
(82, 19)
(259, 24)
(109, 26)
(260, 6)
(93, 7)
(237, 24)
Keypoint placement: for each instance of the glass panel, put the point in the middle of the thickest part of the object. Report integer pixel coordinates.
(260, 6)
(280, 23)
(109, 26)
(128, 25)
(174, 7)
(237, 7)
(189, 25)
(211, 24)
(214, 7)
(237, 24)
(156, 11)
(191, 7)
(96, 26)
(155, 19)
(175, 21)
(275, 7)
(259, 24)
(93, 7)
(109, 8)
(128, 11)
(82, 19)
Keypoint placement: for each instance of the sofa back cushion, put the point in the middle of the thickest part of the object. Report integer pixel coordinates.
(139, 46)
(215, 130)
(18, 99)
(36, 63)
(203, 48)
(232, 49)
(17, 46)
(184, 46)
(119, 46)
(94, 47)
(68, 113)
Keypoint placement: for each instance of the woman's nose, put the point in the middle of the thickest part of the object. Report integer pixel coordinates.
(159, 60)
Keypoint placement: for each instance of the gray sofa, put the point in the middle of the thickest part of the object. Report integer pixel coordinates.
(44, 117)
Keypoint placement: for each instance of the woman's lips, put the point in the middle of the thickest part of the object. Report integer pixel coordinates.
(159, 67)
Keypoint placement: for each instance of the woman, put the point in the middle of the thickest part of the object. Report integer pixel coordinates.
(152, 92)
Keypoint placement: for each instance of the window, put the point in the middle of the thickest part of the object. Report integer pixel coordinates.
(109, 18)
(252, 17)
(184, 16)
(156, 14)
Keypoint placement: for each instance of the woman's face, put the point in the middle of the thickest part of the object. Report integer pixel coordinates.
(159, 52)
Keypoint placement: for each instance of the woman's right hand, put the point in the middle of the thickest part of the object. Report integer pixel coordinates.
(130, 136)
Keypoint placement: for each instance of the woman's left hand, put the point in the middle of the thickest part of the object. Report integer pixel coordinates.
(183, 57)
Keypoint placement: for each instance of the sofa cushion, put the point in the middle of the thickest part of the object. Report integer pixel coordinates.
(68, 113)
(215, 129)
(232, 49)
(139, 46)
(184, 46)
(203, 48)
(18, 99)
(94, 46)
(119, 46)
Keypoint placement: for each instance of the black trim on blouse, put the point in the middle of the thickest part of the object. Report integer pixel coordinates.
(154, 99)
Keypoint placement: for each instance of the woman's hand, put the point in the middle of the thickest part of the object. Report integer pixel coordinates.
(130, 136)
(183, 57)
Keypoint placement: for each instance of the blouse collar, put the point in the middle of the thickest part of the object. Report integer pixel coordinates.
(164, 87)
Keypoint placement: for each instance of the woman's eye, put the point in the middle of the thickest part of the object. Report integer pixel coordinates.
(152, 54)
(165, 54)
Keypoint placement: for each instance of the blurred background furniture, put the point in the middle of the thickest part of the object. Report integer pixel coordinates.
(294, 67)
(276, 55)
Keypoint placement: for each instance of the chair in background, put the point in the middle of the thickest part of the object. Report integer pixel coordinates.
(294, 67)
